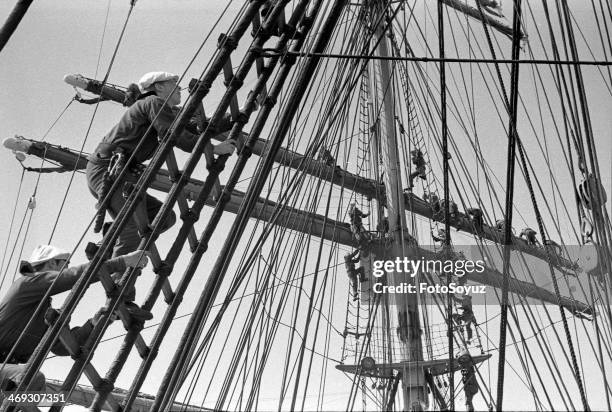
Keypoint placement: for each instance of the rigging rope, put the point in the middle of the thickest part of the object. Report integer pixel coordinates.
(13, 20)
(24, 169)
(313, 152)
(93, 116)
(10, 229)
(79, 289)
(255, 187)
(512, 138)
(447, 232)
(248, 346)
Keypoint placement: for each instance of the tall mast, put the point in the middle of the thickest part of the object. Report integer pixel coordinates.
(408, 328)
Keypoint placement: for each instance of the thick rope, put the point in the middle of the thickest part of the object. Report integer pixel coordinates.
(512, 138)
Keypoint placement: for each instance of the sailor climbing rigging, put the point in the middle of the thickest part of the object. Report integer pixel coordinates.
(530, 236)
(418, 161)
(553, 247)
(383, 226)
(491, 6)
(134, 140)
(439, 236)
(359, 232)
(468, 378)
(475, 215)
(500, 225)
(350, 259)
(326, 157)
(40, 274)
(453, 210)
(433, 200)
(466, 316)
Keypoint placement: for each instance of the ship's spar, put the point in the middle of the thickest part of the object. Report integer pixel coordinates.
(285, 157)
(69, 160)
(295, 219)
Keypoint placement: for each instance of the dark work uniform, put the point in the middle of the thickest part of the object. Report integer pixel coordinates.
(419, 162)
(19, 305)
(132, 128)
(357, 228)
(349, 261)
(126, 135)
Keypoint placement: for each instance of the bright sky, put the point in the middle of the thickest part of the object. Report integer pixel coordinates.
(61, 37)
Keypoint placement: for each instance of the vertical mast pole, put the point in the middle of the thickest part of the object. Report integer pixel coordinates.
(408, 328)
(373, 144)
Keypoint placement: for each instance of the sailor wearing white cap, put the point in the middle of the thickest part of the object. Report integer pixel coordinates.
(163, 85)
(141, 126)
(40, 274)
(148, 79)
(47, 253)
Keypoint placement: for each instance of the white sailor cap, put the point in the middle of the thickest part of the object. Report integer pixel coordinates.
(44, 253)
(151, 78)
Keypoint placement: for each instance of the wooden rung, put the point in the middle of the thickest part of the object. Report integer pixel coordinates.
(256, 22)
(107, 282)
(69, 341)
(228, 74)
(142, 222)
(181, 199)
(141, 346)
(110, 399)
(155, 258)
(168, 292)
(191, 236)
(281, 21)
(125, 317)
(259, 62)
(123, 314)
(92, 375)
(259, 66)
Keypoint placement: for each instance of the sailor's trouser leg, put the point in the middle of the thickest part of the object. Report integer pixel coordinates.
(12, 375)
(129, 239)
(361, 272)
(80, 333)
(411, 178)
(353, 280)
(10, 378)
(225, 123)
(358, 233)
(468, 329)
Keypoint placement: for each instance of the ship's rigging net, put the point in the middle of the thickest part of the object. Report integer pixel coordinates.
(284, 315)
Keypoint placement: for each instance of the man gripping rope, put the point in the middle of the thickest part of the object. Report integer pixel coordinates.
(144, 122)
(359, 232)
(416, 156)
(39, 274)
(352, 272)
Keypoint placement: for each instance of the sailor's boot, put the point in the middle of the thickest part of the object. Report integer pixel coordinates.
(128, 297)
(136, 312)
